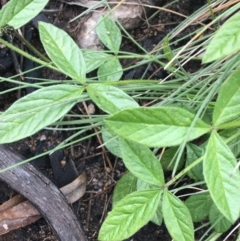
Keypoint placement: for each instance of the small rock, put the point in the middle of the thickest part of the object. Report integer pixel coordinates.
(129, 14)
(91, 109)
(96, 187)
(94, 181)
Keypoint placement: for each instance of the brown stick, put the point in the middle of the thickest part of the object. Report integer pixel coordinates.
(43, 194)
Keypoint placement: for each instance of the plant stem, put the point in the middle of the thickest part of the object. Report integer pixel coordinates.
(33, 49)
(229, 125)
(212, 14)
(180, 174)
(21, 52)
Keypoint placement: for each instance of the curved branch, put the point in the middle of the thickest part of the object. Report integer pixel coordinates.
(43, 194)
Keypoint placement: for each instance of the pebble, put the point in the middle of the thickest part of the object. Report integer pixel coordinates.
(94, 181)
(129, 15)
(96, 187)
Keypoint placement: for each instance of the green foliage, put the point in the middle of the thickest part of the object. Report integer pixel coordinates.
(111, 141)
(130, 214)
(111, 37)
(94, 59)
(168, 159)
(109, 33)
(17, 13)
(218, 165)
(156, 127)
(63, 51)
(177, 218)
(193, 153)
(218, 221)
(167, 50)
(111, 70)
(226, 40)
(141, 162)
(37, 110)
(234, 144)
(126, 185)
(227, 106)
(128, 130)
(109, 98)
(158, 216)
(199, 206)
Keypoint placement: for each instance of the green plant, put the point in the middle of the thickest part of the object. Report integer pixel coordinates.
(225, 42)
(169, 126)
(129, 131)
(140, 128)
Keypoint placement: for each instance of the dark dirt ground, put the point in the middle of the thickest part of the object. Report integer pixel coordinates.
(97, 199)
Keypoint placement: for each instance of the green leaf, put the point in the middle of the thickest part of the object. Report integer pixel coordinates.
(129, 215)
(199, 206)
(109, 33)
(63, 51)
(218, 221)
(109, 98)
(223, 183)
(234, 144)
(36, 111)
(94, 59)
(225, 42)
(17, 13)
(141, 185)
(126, 185)
(193, 153)
(140, 160)
(166, 49)
(158, 217)
(227, 108)
(111, 141)
(156, 126)
(177, 218)
(167, 160)
(111, 70)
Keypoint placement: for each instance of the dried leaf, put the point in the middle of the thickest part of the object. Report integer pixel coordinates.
(17, 213)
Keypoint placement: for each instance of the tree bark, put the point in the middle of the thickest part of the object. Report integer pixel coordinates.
(42, 193)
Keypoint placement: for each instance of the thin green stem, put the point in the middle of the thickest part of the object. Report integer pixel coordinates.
(229, 125)
(212, 14)
(235, 136)
(183, 172)
(60, 146)
(129, 82)
(33, 49)
(49, 65)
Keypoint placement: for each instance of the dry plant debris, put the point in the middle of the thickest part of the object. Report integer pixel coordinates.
(17, 212)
